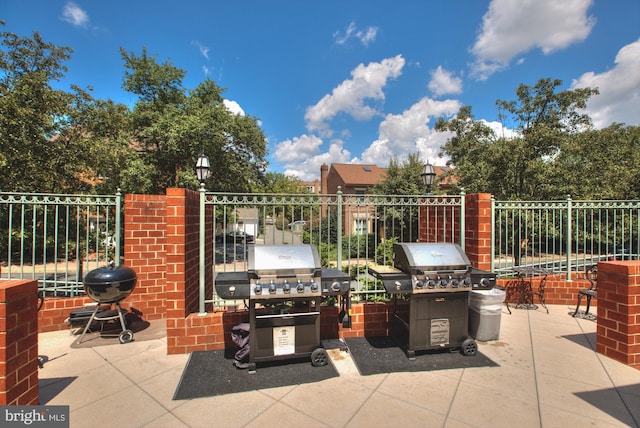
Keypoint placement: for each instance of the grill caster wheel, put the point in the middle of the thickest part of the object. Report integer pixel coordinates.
(469, 347)
(126, 336)
(319, 357)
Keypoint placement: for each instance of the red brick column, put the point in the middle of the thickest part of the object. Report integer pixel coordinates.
(619, 311)
(478, 230)
(144, 251)
(434, 226)
(18, 342)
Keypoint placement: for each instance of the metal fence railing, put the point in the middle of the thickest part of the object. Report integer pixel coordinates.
(350, 231)
(57, 238)
(563, 236)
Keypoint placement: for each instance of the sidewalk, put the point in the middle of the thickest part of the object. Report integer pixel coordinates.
(548, 376)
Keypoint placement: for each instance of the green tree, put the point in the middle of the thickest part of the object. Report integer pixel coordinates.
(277, 182)
(402, 178)
(599, 164)
(469, 149)
(33, 116)
(172, 127)
(517, 167)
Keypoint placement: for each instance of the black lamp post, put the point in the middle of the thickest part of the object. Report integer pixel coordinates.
(203, 168)
(428, 176)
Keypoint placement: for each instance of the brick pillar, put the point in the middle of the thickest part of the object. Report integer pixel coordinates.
(619, 311)
(478, 230)
(18, 342)
(144, 251)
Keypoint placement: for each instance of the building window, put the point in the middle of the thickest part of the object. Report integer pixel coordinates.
(360, 192)
(361, 227)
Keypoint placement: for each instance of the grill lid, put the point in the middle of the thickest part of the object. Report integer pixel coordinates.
(284, 260)
(418, 258)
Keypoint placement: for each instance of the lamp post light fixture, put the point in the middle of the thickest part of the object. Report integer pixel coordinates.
(203, 171)
(428, 175)
(203, 168)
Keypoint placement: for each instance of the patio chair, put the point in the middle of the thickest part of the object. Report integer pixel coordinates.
(592, 275)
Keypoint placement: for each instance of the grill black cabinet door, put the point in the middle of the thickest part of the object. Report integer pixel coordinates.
(438, 320)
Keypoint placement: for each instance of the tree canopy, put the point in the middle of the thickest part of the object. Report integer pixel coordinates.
(70, 142)
(553, 152)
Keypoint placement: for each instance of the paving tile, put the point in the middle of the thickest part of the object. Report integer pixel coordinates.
(148, 363)
(286, 417)
(130, 407)
(586, 400)
(429, 390)
(163, 386)
(478, 406)
(505, 353)
(553, 416)
(520, 382)
(232, 410)
(333, 401)
(168, 420)
(90, 387)
(586, 369)
(383, 411)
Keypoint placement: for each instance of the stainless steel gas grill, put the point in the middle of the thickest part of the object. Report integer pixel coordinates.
(284, 285)
(436, 278)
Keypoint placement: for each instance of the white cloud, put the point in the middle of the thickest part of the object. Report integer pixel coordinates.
(365, 37)
(351, 96)
(297, 150)
(409, 132)
(301, 156)
(619, 98)
(444, 82)
(73, 14)
(233, 107)
(204, 50)
(513, 27)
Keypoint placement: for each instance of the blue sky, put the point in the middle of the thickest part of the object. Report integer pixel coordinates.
(354, 81)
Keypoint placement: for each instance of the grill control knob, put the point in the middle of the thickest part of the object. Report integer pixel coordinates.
(272, 288)
(466, 283)
(232, 290)
(455, 283)
(431, 283)
(300, 287)
(257, 289)
(484, 282)
(443, 283)
(419, 284)
(314, 286)
(286, 287)
(335, 286)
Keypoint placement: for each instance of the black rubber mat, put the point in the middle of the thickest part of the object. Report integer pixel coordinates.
(374, 355)
(211, 373)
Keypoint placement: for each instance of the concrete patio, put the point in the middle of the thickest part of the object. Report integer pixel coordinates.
(549, 375)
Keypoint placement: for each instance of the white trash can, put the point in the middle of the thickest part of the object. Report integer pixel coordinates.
(485, 312)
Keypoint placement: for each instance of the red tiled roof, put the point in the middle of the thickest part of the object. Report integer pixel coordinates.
(359, 174)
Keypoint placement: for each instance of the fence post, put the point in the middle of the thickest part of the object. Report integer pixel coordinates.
(201, 244)
(492, 251)
(118, 224)
(339, 227)
(462, 220)
(569, 232)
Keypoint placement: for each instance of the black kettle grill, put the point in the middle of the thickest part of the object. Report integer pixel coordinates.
(109, 285)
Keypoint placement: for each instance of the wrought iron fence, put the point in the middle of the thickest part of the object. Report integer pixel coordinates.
(563, 236)
(57, 238)
(350, 231)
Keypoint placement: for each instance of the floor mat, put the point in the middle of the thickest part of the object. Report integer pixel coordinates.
(374, 355)
(210, 373)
